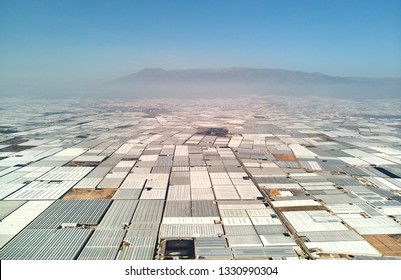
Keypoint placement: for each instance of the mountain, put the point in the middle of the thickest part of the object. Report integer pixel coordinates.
(156, 82)
(225, 75)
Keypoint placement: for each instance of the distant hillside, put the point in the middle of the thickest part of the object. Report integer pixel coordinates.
(156, 82)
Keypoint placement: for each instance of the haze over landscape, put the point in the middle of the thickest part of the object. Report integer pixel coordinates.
(222, 130)
(79, 48)
(226, 82)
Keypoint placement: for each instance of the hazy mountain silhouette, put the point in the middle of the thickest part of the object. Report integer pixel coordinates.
(157, 82)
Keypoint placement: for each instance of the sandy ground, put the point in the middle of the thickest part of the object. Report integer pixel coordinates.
(90, 194)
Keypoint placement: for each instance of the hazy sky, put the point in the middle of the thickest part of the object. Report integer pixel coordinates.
(71, 42)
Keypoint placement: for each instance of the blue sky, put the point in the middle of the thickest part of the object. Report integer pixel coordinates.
(67, 41)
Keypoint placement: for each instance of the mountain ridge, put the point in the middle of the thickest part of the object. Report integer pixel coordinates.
(235, 72)
(260, 81)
